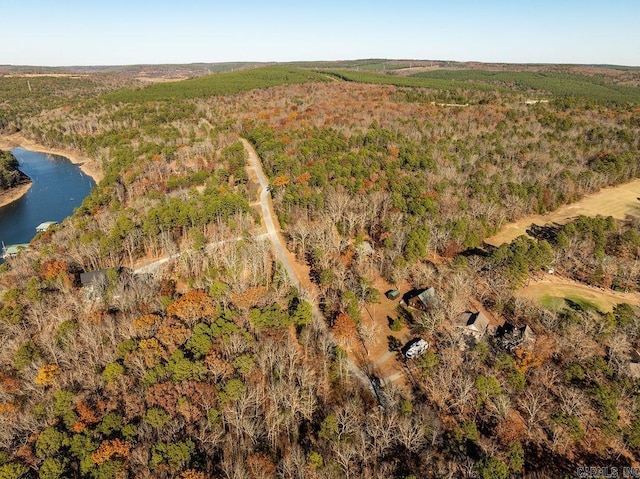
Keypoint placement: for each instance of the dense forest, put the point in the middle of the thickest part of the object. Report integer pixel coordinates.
(10, 175)
(213, 364)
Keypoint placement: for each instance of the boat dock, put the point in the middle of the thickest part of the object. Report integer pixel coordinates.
(13, 249)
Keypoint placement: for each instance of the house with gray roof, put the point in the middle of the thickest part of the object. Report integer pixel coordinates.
(474, 324)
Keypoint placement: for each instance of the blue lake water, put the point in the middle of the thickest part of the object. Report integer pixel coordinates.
(58, 188)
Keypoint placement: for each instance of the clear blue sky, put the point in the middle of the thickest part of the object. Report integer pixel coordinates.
(100, 32)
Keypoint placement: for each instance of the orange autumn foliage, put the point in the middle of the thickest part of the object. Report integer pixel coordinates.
(526, 360)
(8, 408)
(513, 428)
(192, 474)
(260, 466)
(303, 179)
(98, 316)
(53, 268)
(344, 328)
(144, 324)
(193, 305)
(8, 383)
(172, 333)
(47, 375)
(151, 351)
(280, 181)
(248, 298)
(220, 367)
(109, 449)
(86, 416)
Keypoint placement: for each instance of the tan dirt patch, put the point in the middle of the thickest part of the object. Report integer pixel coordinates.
(13, 194)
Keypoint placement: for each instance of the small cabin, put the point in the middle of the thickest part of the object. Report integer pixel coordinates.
(511, 337)
(95, 283)
(421, 299)
(392, 294)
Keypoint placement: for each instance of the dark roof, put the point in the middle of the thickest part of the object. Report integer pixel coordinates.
(512, 337)
(420, 297)
(508, 328)
(94, 277)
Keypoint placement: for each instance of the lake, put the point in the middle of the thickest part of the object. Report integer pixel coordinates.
(58, 187)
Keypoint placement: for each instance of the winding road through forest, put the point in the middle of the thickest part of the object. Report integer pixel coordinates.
(268, 214)
(297, 278)
(300, 281)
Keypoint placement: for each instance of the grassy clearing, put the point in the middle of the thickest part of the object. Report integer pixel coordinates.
(573, 301)
(557, 295)
(219, 84)
(554, 303)
(617, 201)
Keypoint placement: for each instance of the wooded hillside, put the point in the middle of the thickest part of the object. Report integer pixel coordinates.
(10, 175)
(212, 365)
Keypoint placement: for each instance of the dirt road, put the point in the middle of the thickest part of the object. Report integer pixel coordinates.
(267, 214)
(285, 256)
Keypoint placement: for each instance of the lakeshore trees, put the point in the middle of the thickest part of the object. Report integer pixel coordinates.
(10, 175)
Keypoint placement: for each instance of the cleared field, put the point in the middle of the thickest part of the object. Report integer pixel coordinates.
(616, 201)
(553, 290)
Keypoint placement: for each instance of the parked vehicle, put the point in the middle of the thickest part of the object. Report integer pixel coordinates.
(415, 348)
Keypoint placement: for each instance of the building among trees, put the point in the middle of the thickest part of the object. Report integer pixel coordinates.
(474, 325)
(511, 337)
(420, 298)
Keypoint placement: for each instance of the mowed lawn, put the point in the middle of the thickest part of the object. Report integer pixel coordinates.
(552, 294)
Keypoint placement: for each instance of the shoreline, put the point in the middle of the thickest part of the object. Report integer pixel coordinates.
(88, 166)
(9, 196)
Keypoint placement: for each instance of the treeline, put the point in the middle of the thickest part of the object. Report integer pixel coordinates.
(221, 380)
(22, 98)
(411, 187)
(593, 88)
(226, 380)
(544, 84)
(599, 251)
